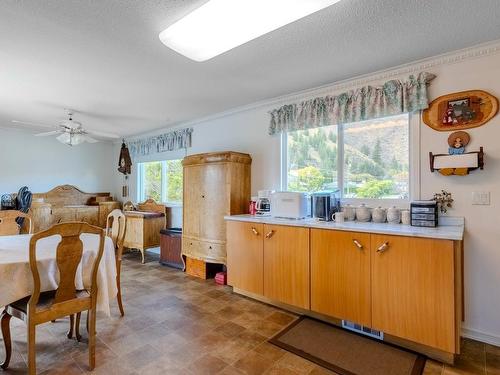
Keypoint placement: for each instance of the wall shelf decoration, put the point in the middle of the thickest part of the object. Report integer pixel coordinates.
(470, 160)
(460, 110)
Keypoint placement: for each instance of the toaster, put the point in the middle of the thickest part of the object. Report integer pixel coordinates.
(289, 205)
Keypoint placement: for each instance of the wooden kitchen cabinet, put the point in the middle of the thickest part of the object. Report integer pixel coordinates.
(413, 289)
(245, 256)
(340, 275)
(286, 265)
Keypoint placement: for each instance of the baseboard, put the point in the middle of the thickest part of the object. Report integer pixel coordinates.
(481, 336)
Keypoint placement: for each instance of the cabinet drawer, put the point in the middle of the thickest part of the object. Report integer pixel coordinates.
(190, 247)
(212, 251)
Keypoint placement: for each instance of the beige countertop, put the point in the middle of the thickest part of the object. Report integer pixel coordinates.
(450, 228)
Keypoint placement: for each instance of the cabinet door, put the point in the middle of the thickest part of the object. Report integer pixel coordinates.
(286, 265)
(413, 289)
(340, 275)
(215, 201)
(191, 200)
(245, 256)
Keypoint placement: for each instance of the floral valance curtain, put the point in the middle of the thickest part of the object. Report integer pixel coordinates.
(174, 140)
(392, 98)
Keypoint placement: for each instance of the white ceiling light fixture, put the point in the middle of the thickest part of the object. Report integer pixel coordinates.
(220, 25)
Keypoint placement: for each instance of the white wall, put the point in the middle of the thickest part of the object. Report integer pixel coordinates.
(43, 163)
(246, 131)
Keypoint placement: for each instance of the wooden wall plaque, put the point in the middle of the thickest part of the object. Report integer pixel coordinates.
(460, 110)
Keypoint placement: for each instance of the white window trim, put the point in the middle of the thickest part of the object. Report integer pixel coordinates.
(414, 124)
(141, 196)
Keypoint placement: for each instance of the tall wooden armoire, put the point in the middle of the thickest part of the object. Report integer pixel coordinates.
(215, 184)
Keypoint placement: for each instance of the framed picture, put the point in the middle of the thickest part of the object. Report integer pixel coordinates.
(460, 110)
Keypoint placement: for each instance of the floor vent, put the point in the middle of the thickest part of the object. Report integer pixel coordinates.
(362, 329)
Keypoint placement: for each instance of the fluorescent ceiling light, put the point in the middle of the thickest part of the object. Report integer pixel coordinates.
(220, 25)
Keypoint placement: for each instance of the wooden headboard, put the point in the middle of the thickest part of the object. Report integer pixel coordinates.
(68, 195)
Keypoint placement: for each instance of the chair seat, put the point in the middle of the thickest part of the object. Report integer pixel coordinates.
(45, 301)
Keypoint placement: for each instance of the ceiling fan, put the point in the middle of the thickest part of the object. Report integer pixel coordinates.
(70, 132)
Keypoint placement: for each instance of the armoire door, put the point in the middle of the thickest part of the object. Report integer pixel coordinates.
(193, 184)
(214, 201)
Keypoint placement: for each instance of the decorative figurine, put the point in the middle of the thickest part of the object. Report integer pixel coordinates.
(448, 116)
(457, 142)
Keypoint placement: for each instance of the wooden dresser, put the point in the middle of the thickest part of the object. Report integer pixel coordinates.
(215, 184)
(144, 225)
(68, 203)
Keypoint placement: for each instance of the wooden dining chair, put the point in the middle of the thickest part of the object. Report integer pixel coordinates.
(42, 307)
(8, 224)
(115, 228)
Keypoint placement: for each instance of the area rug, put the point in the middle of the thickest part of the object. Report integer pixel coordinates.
(346, 352)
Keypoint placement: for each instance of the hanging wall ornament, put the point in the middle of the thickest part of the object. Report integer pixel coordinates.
(125, 167)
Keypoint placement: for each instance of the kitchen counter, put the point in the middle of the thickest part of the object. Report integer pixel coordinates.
(450, 228)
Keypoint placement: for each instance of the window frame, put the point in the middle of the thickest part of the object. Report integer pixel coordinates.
(141, 194)
(414, 124)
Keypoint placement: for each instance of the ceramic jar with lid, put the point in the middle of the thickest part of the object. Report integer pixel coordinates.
(393, 215)
(379, 215)
(363, 213)
(406, 217)
(349, 212)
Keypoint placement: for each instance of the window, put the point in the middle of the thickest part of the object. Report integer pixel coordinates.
(368, 159)
(161, 181)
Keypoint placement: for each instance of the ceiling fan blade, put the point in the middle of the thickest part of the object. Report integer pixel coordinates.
(90, 139)
(102, 134)
(46, 134)
(33, 124)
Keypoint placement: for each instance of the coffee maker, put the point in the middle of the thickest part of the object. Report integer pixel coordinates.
(263, 204)
(324, 204)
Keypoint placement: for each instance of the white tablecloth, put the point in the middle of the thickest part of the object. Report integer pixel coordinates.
(16, 281)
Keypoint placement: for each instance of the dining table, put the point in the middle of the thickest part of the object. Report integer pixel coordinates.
(16, 280)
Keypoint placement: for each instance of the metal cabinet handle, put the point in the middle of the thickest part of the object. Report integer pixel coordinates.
(383, 247)
(255, 231)
(270, 234)
(358, 244)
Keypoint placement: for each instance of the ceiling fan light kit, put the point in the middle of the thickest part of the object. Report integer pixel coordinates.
(70, 132)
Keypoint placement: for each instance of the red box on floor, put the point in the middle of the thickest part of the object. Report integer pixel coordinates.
(221, 278)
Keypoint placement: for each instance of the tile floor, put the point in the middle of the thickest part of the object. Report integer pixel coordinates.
(176, 324)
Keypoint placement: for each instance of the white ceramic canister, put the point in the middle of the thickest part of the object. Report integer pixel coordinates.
(349, 212)
(406, 217)
(363, 213)
(393, 215)
(379, 215)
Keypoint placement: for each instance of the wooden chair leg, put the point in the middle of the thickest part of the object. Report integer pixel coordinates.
(31, 349)
(142, 255)
(119, 295)
(71, 326)
(77, 327)
(92, 320)
(5, 323)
